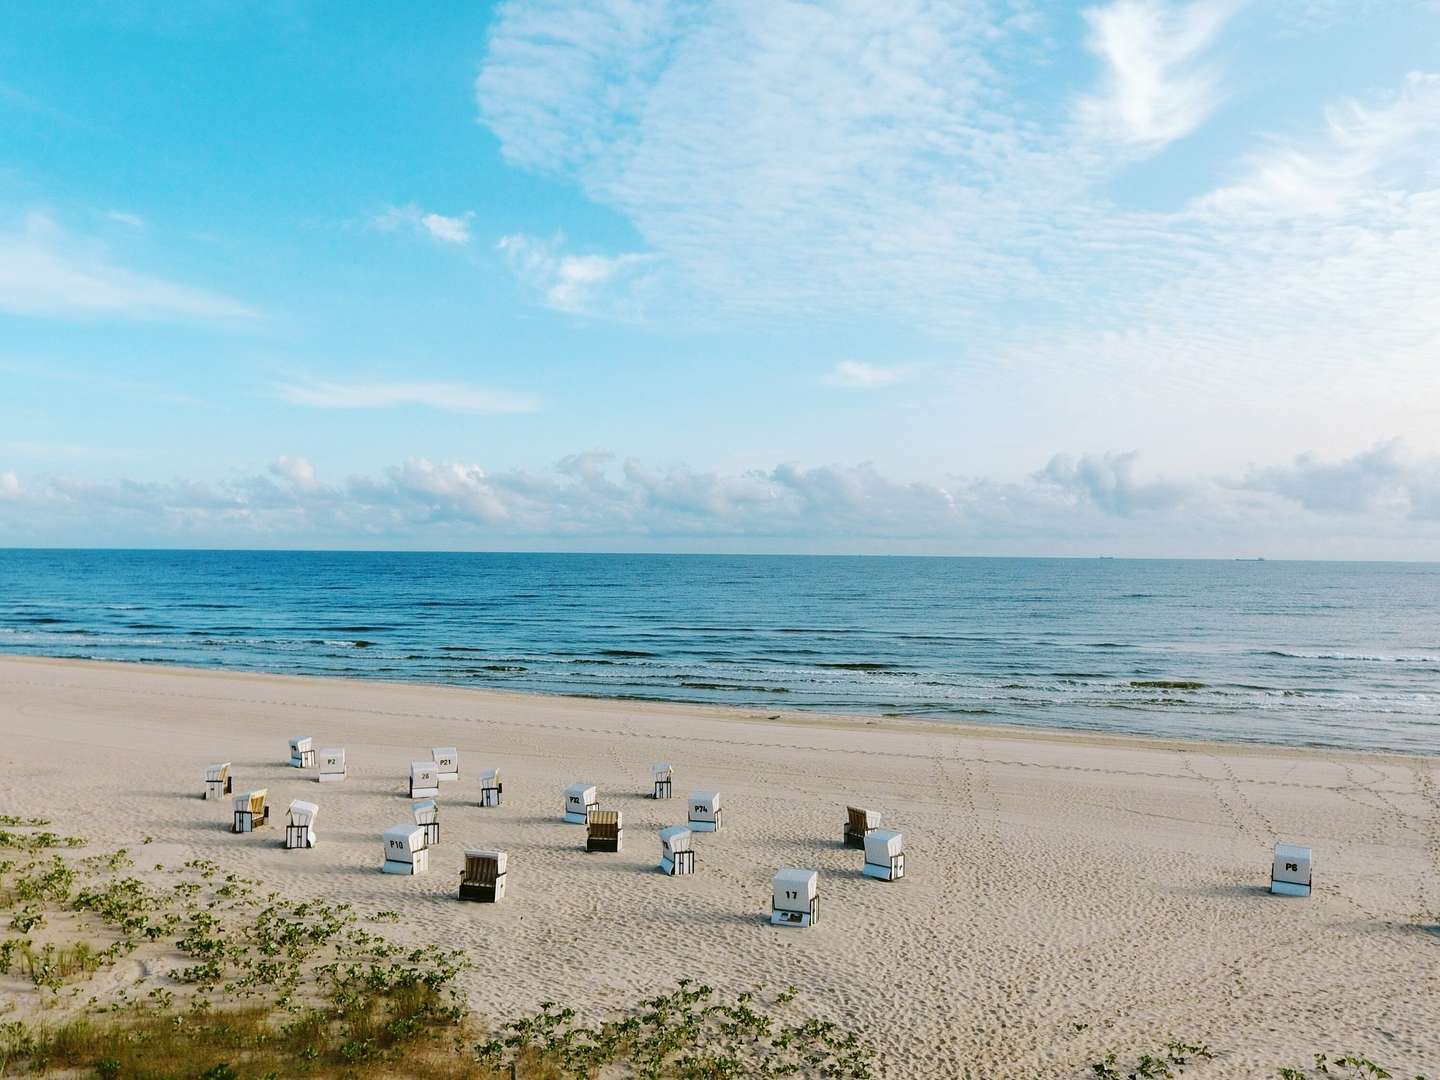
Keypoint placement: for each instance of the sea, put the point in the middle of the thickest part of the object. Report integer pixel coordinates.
(1300, 653)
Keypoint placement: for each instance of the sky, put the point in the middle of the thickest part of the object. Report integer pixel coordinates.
(992, 277)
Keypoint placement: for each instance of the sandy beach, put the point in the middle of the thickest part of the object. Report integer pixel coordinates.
(1066, 895)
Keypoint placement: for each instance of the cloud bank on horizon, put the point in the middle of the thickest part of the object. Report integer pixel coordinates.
(1198, 235)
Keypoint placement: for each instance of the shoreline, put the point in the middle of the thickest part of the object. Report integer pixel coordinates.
(748, 714)
(1066, 895)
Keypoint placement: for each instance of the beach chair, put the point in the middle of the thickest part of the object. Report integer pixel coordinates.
(427, 815)
(332, 765)
(704, 811)
(795, 898)
(483, 879)
(217, 780)
(302, 752)
(490, 787)
(858, 823)
(1290, 871)
(424, 780)
(250, 810)
(300, 829)
(579, 800)
(405, 850)
(447, 762)
(662, 778)
(603, 831)
(676, 855)
(884, 855)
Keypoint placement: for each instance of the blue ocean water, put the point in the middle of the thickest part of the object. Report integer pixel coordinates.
(1338, 654)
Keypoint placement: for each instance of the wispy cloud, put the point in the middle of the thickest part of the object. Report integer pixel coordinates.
(1159, 82)
(446, 396)
(858, 375)
(452, 230)
(45, 271)
(1077, 503)
(135, 221)
(591, 284)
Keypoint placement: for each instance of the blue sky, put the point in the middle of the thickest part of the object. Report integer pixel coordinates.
(1132, 277)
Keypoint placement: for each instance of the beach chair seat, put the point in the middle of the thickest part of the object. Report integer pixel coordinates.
(218, 781)
(603, 832)
(405, 850)
(705, 811)
(447, 763)
(424, 780)
(858, 822)
(1291, 870)
(579, 801)
(490, 787)
(677, 856)
(483, 879)
(300, 828)
(884, 855)
(302, 752)
(426, 813)
(332, 765)
(662, 780)
(795, 898)
(250, 811)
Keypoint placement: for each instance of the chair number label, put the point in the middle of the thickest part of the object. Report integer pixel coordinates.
(1293, 866)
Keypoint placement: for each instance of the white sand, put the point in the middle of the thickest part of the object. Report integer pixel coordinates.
(1053, 879)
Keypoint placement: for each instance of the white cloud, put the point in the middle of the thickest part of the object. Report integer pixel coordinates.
(1076, 504)
(46, 272)
(859, 375)
(609, 284)
(437, 227)
(447, 396)
(1159, 85)
(135, 221)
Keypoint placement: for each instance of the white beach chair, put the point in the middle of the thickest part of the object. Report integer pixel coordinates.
(332, 764)
(604, 831)
(858, 823)
(676, 855)
(795, 898)
(250, 810)
(424, 780)
(447, 762)
(217, 780)
(1290, 872)
(302, 752)
(704, 811)
(579, 801)
(490, 787)
(483, 879)
(405, 850)
(884, 855)
(662, 779)
(300, 829)
(426, 813)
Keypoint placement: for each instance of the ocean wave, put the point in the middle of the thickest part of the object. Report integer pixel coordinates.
(1366, 658)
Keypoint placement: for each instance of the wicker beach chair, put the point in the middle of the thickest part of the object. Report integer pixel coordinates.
(795, 898)
(405, 850)
(662, 780)
(424, 780)
(490, 787)
(250, 811)
(447, 762)
(332, 764)
(300, 829)
(1291, 870)
(218, 781)
(603, 831)
(427, 815)
(884, 855)
(302, 752)
(483, 879)
(858, 822)
(676, 854)
(579, 801)
(705, 811)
